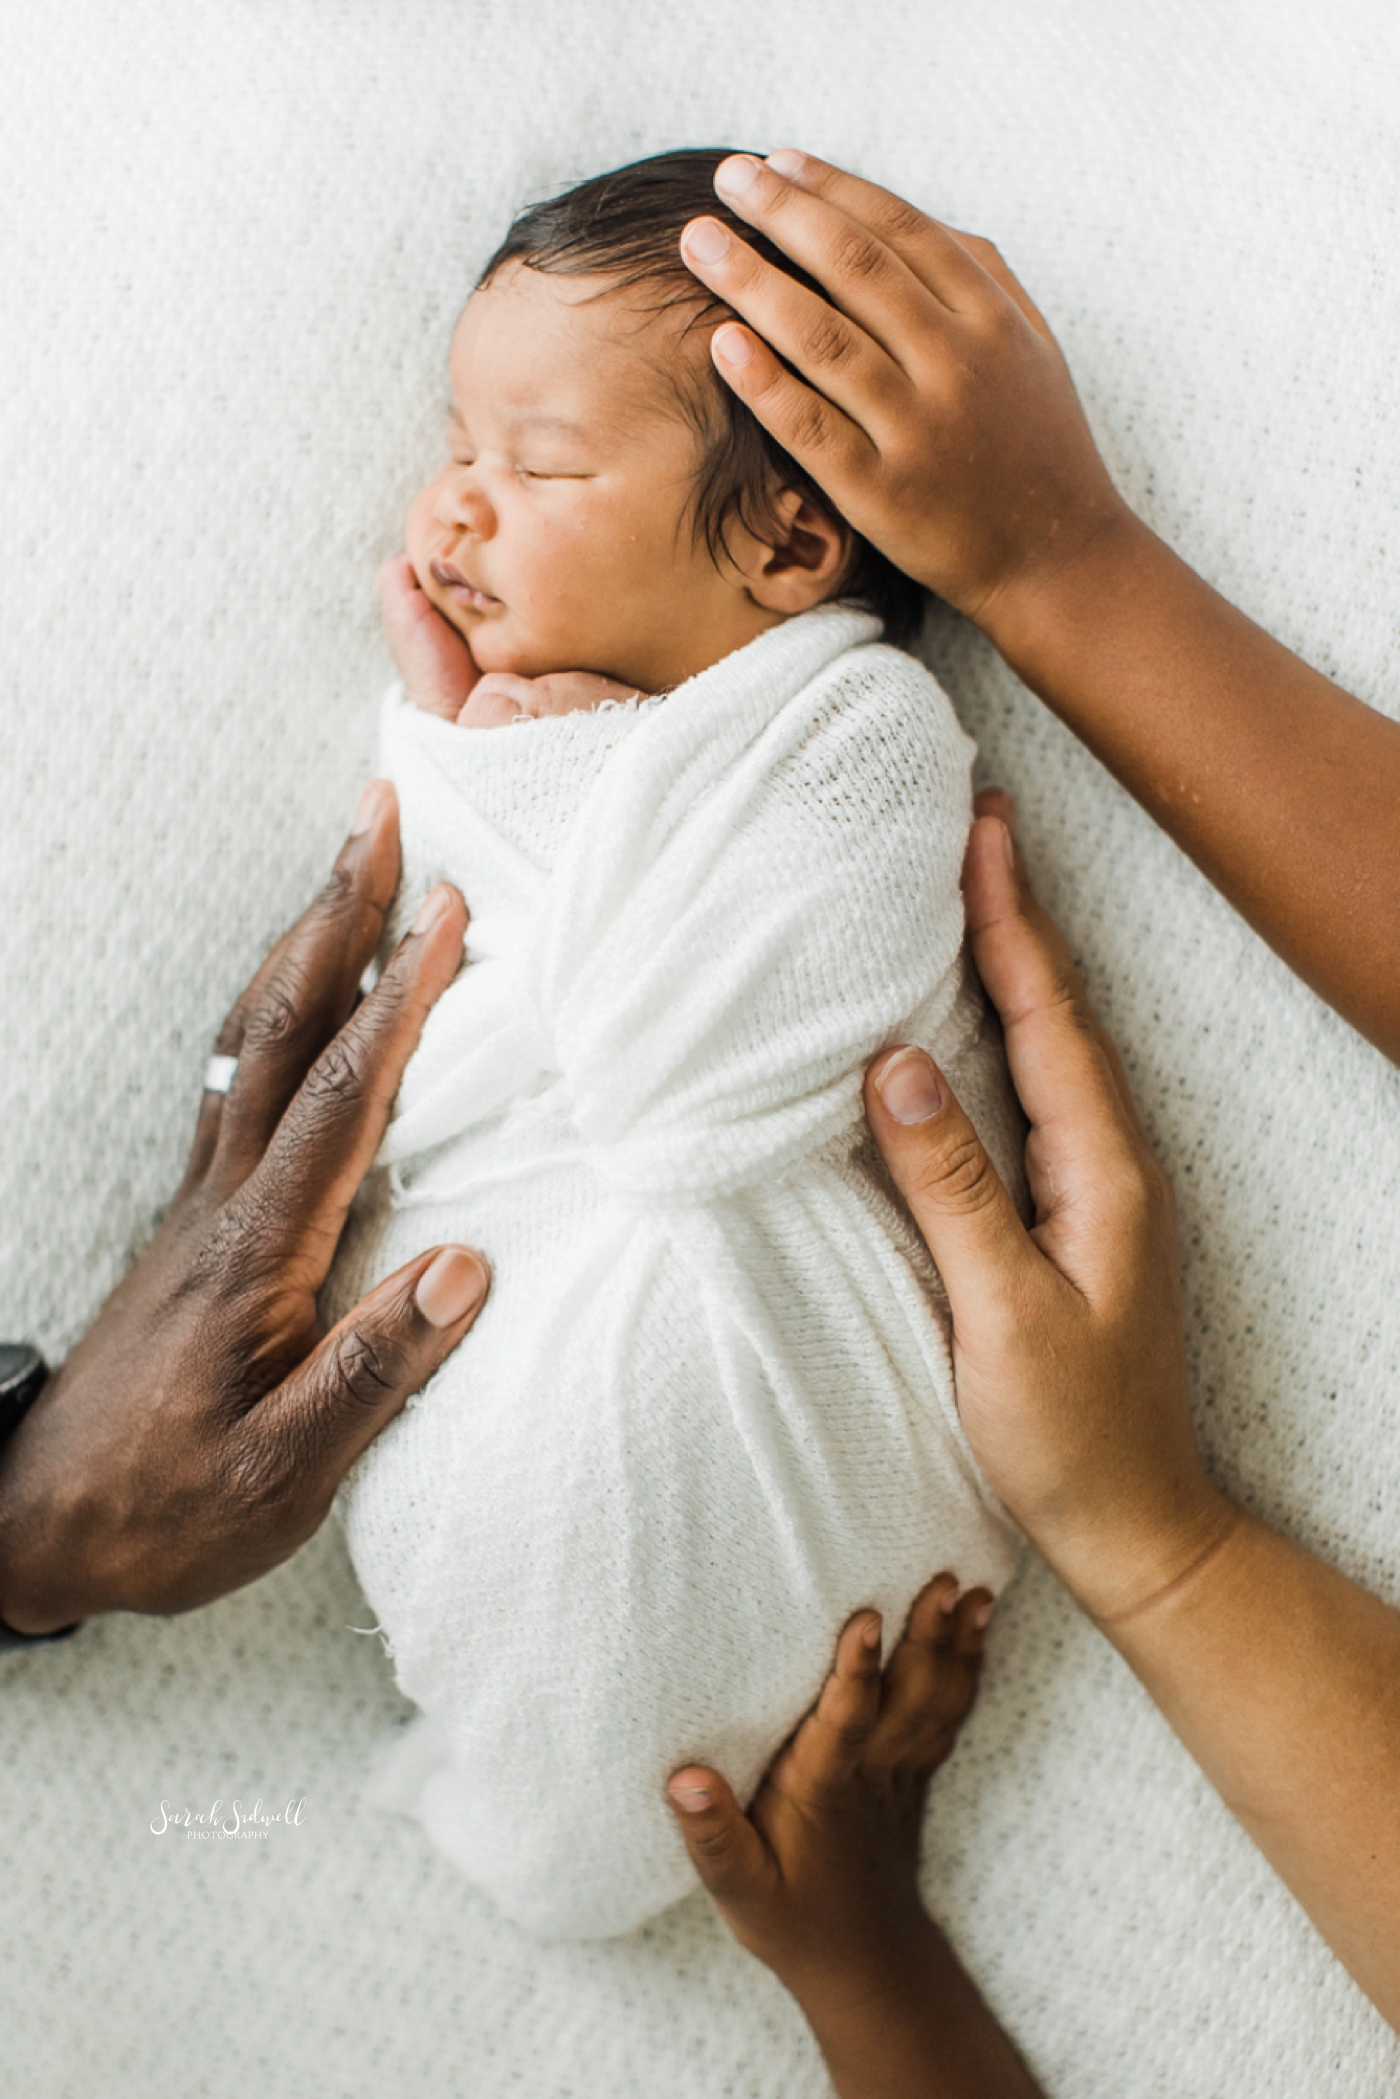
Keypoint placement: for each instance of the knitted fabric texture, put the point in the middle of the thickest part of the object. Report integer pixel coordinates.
(233, 259)
(708, 1411)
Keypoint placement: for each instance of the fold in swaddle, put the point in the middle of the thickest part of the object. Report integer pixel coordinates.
(708, 1408)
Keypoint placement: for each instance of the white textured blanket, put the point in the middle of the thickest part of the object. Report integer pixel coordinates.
(709, 1411)
(233, 240)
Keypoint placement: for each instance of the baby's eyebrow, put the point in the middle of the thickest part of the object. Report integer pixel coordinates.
(542, 419)
(523, 418)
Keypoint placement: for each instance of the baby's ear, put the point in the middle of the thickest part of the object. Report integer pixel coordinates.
(806, 558)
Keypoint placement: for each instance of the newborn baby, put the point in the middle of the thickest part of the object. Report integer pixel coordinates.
(710, 830)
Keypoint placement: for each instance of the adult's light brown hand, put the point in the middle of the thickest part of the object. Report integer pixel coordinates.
(1068, 1343)
(926, 394)
(197, 1436)
(1281, 1676)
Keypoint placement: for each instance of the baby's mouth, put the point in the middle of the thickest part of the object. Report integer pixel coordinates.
(467, 594)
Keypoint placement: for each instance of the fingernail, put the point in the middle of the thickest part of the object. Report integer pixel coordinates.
(981, 1614)
(786, 162)
(436, 903)
(908, 1086)
(948, 1601)
(370, 804)
(450, 1287)
(1008, 846)
(690, 1798)
(734, 345)
(870, 1632)
(736, 175)
(707, 240)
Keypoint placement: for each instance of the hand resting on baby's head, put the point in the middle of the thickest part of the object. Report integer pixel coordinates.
(440, 676)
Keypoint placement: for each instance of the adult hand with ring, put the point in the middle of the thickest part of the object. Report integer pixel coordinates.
(197, 1435)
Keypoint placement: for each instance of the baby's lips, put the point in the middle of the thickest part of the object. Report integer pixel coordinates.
(449, 578)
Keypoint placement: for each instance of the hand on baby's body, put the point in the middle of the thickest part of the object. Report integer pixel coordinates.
(440, 676)
(819, 1880)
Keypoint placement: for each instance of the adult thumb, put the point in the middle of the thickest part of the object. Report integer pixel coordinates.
(941, 1168)
(377, 1357)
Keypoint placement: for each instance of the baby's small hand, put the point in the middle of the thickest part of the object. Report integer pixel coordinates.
(820, 1879)
(501, 697)
(432, 658)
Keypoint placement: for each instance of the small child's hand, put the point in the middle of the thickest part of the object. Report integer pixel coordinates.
(502, 697)
(432, 658)
(819, 1879)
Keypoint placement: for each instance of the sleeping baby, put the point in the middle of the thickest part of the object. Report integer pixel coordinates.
(709, 826)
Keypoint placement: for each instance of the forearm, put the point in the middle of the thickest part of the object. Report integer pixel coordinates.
(1282, 788)
(922, 2034)
(1282, 1678)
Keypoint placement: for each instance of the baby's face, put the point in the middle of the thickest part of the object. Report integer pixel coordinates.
(558, 537)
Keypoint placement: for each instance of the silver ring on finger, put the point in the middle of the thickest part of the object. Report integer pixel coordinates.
(219, 1074)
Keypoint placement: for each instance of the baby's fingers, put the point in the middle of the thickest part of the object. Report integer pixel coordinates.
(931, 1680)
(725, 1849)
(431, 657)
(497, 699)
(827, 1748)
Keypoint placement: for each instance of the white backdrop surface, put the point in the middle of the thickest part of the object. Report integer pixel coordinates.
(234, 239)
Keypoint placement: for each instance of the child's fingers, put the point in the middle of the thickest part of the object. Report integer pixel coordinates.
(931, 1680)
(973, 1616)
(725, 1849)
(914, 1687)
(827, 1748)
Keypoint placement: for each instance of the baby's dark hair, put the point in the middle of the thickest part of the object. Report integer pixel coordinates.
(627, 226)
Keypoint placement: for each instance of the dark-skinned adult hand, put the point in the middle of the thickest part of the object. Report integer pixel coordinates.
(819, 1880)
(1280, 1676)
(197, 1435)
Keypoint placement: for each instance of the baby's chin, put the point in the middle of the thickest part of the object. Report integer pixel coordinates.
(495, 648)
(497, 644)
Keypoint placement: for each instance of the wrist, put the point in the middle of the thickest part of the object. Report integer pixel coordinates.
(846, 1994)
(40, 1555)
(1086, 560)
(912, 2026)
(26, 1609)
(1120, 1575)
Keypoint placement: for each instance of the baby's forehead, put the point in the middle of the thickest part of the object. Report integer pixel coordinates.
(571, 349)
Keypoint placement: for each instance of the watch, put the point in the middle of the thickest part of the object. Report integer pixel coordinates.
(23, 1376)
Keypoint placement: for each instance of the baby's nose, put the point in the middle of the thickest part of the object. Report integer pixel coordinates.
(459, 501)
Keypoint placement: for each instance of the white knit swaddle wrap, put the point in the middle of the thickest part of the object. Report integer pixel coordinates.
(706, 1412)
